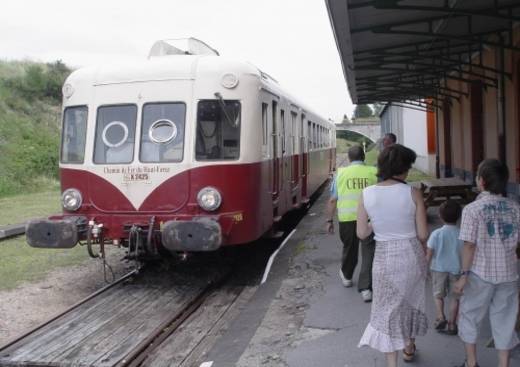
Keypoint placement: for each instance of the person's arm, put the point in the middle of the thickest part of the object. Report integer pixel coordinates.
(421, 225)
(468, 233)
(429, 255)
(363, 227)
(330, 210)
(329, 214)
(468, 253)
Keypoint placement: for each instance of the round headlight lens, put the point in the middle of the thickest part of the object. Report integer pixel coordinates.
(71, 199)
(209, 199)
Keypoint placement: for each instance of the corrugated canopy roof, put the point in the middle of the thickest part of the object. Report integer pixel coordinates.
(394, 50)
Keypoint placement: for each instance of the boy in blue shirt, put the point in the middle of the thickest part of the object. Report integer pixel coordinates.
(444, 253)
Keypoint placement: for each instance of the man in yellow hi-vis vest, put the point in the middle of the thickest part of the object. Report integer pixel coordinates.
(345, 192)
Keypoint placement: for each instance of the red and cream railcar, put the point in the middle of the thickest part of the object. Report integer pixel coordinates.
(186, 151)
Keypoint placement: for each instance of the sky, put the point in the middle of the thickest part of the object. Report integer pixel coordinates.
(291, 40)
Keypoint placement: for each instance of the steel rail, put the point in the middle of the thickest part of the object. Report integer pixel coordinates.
(11, 231)
(139, 354)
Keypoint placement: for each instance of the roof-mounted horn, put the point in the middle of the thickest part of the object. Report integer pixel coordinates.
(181, 46)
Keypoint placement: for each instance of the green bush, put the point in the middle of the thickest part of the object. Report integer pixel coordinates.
(39, 81)
(30, 97)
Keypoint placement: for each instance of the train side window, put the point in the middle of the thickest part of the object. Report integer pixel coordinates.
(294, 131)
(282, 117)
(313, 135)
(162, 133)
(74, 134)
(309, 135)
(265, 123)
(115, 134)
(218, 130)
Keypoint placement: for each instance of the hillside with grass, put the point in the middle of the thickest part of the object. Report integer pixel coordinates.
(30, 99)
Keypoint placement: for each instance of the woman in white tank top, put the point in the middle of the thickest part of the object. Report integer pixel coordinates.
(395, 212)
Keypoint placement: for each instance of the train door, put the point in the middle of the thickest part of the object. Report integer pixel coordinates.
(274, 152)
(294, 150)
(305, 156)
(283, 162)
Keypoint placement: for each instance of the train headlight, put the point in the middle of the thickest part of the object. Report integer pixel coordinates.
(71, 199)
(209, 198)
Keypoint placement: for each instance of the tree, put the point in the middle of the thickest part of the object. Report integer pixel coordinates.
(378, 107)
(345, 120)
(363, 110)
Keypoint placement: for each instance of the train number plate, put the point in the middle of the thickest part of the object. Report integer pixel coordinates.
(136, 177)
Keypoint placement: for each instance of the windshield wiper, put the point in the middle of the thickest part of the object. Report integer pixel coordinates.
(223, 108)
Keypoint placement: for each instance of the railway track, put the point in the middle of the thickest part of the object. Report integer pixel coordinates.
(11, 230)
(124, 323)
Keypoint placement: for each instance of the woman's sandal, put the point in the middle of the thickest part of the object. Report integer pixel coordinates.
(465, 364)
(440, 324)
(409, 357)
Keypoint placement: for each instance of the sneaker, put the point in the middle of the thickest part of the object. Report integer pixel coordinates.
(346, 282)
(366, 294)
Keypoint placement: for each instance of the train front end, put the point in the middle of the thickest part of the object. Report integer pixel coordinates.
(151, 159)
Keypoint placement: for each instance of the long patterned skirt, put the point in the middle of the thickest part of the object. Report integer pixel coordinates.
(398, 305)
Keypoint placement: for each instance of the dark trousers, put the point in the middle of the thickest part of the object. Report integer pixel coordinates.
(349, 257)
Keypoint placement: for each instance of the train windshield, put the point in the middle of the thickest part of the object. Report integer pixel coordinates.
(74, 134)
(218, 130)
(115, 134)
(162, 133)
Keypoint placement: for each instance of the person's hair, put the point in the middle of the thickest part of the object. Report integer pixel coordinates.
(356, 153)
(392, 137)
(394, 161)
(495, 175)
(450, 211)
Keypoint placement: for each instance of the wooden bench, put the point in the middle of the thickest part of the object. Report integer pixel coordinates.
(437, 191)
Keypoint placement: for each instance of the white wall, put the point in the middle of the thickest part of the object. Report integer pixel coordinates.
(410, 128)
(415, 136)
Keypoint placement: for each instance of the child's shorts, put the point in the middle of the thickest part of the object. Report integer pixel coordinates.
(442, 284)
(500, 301)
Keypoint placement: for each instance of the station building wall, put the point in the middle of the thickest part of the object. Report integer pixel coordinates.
(470, 129)
(412, 130)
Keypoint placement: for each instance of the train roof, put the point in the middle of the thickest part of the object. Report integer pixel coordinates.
(168, 67)
(175, 59)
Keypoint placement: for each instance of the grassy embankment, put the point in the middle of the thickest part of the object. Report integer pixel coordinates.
(30, 98)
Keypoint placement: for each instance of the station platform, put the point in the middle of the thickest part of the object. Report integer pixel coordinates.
(302, 316)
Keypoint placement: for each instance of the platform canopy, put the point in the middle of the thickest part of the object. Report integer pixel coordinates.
(400, 51)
